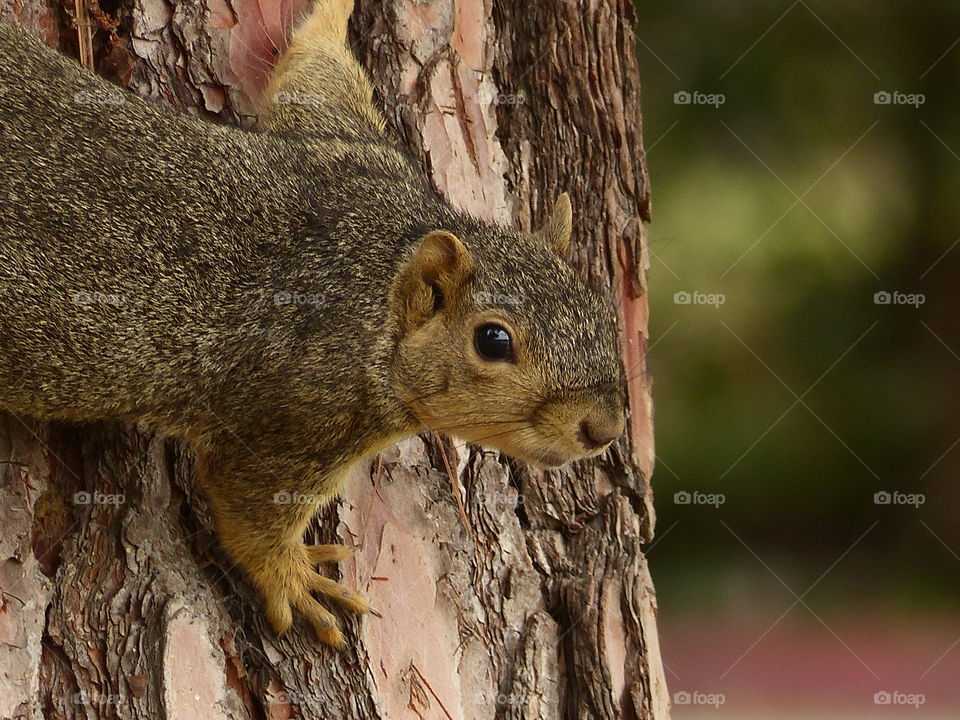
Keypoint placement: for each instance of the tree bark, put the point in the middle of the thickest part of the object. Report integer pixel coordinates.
(506, 592)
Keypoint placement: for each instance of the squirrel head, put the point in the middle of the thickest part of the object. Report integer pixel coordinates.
(499, 342)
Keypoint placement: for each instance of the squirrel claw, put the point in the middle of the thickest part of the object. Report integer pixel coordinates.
(278, 613)
(323, 622)
(288, 581)
(346, 597)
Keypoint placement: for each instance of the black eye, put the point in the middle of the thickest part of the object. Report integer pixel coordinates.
(493, 342)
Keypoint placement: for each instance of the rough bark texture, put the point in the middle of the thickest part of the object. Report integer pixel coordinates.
(505, 592)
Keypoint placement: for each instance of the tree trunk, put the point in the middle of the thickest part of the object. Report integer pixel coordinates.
(505, 592)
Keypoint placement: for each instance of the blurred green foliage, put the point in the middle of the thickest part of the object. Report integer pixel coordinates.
(797, 199)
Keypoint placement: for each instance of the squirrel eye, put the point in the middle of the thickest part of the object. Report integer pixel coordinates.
(493, 342)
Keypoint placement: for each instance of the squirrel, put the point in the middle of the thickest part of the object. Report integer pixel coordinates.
(288, 302)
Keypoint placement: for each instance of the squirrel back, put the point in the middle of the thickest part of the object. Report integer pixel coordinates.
(154, 251)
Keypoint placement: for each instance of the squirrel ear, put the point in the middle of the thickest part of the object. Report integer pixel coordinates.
(555, 233)
(440, 265)
(442, 259)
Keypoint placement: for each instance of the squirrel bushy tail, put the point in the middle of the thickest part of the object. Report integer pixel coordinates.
(318, 87)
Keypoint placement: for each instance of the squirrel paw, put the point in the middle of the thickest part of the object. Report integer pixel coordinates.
(288, 581)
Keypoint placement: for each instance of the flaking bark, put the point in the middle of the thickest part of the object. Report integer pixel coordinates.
(505, 592)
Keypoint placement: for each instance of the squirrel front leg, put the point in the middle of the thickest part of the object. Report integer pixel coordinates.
(260, 522)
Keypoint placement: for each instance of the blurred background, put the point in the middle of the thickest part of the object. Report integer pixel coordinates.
(805, 348)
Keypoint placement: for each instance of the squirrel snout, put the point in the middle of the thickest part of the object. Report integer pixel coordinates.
(597, 431)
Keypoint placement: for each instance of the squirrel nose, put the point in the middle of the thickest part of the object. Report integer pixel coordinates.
(597, 432)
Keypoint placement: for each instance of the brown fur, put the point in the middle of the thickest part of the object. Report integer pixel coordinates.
(288, 302)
